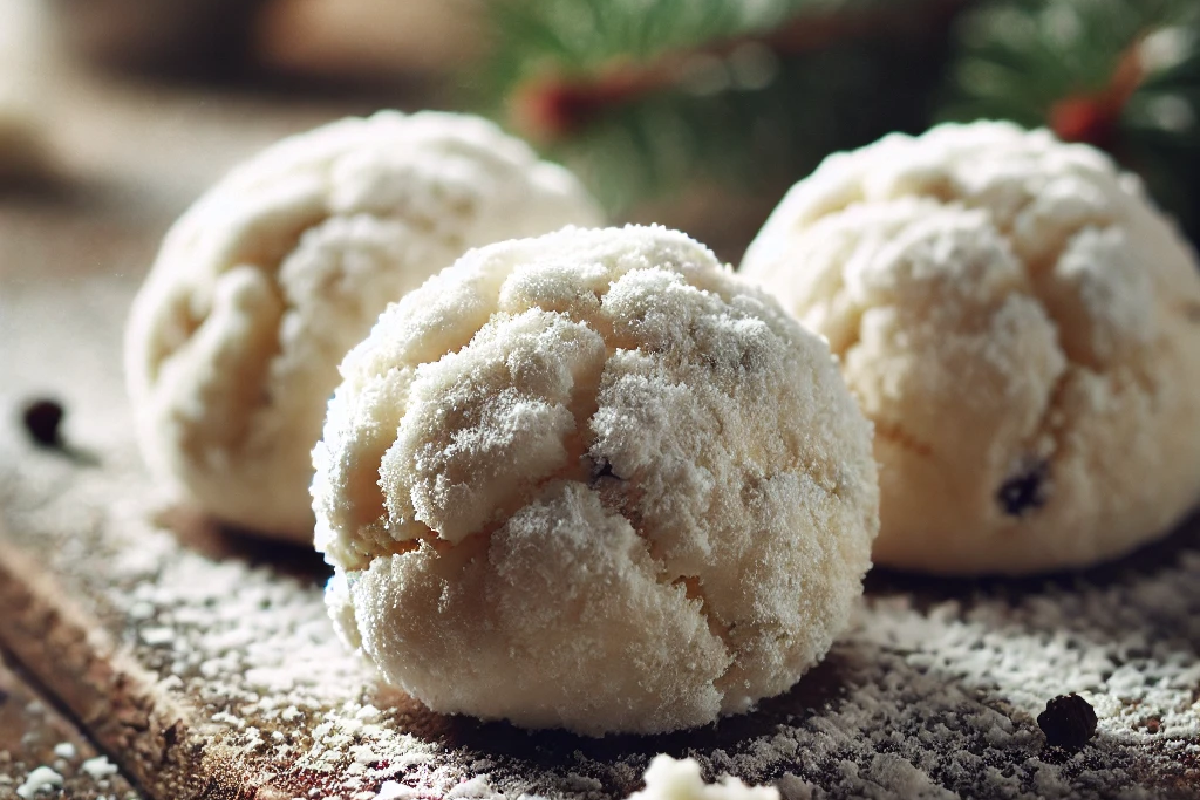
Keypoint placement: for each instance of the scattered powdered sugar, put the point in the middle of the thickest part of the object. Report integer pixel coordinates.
(43, 755)
(393, 790)
(99, 767)
(932, 693)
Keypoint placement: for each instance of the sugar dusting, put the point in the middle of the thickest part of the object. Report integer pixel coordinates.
(933, 692)
(42, 754)
(922, 698)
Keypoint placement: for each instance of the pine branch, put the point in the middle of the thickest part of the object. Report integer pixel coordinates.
(1122, 75)
(646, 96)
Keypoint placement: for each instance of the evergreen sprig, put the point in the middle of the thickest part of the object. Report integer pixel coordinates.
(580, 36)
(645, 97)
(1122, 75)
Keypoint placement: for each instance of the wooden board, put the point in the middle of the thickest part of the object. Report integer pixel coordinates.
(202, 659)
(34, 736)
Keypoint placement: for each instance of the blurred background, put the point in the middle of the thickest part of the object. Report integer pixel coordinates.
(699, 114)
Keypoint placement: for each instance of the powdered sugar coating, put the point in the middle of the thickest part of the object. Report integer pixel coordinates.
(1022, 326)
(591, 480)
(263, 286)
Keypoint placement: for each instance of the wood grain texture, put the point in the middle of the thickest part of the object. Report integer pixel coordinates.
(115, 699)
(35, 735)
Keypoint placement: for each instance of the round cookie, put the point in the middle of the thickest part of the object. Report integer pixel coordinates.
(262, 287)
(1022, 326)
(593, 481)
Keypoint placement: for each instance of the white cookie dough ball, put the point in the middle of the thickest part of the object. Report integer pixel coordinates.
(269, 279)
(1022, 326)
(593, 481)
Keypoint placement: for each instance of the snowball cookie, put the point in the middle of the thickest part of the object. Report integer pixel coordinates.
(669, 779)
(261, 288)
(593, 481)
(1022, 326)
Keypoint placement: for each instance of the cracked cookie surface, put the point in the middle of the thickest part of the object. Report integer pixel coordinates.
(269, 279)
(1010, 311)
(593, 481)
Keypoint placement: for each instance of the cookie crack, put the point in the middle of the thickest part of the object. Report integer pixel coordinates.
(1035, 272)
(717, 628)
(583, 405)
(270, 264)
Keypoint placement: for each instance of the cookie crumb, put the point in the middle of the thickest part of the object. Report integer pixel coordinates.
(669, 779)
(41, 780)
(1069, 721)
(43, 421)
(99, 767)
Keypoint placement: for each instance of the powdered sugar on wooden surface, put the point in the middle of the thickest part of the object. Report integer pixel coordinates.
(933, 692)
(42, 754)
(920, 699)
